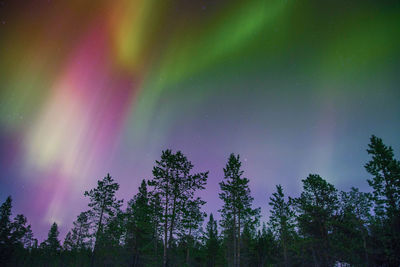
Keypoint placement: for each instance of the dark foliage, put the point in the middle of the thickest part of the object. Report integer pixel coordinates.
(163, 223)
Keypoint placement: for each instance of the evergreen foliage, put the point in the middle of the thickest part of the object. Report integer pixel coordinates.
(237, 211)
(104, 206)
(163, 223)
(175, 186)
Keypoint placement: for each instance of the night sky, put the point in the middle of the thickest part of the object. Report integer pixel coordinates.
(90, 87)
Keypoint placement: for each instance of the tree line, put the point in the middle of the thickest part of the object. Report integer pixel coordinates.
(164, 224)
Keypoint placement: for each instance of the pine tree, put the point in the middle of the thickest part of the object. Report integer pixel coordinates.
(140, 228)
(316, 208)
(52, 244)
(174, 185)
(281, 221)
(15, 235)
(266, 248)
(237, 210)
(190, 224)
(5, 231)
(156, 219)
(104, 206)
(111, 240)
(5, 213)
(211, 242)
(385, 183)
(28, 241)
(69, 243)
(351, 228)
(79, 238)
(247, 246)
(18, 230)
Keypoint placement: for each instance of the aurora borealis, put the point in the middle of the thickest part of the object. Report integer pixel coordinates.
(90, 87)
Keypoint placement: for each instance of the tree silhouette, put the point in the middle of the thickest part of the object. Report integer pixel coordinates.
(190, 222)
(79, 236)
(5, 231)
(52, 244)
(385, 182)
(316, 208)
(212, 242)
(162, 224)
(350, 234)
(281, 221)
(236, 211)
(104, 206)
(174, 185)
(140, 226)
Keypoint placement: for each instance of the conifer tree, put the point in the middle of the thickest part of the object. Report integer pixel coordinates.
(316, 208)
(15, 235)
(247, 246)
(28, 241)
(5, 230)
(385, 183)
(104, 206)
(281, 221)
(156, 219)
(79, 237)
(211, 242)
(139, 236)
(237, 209)
(266, 248)
(111, 240)
(190, 224)
(351, 230)
(52, 244)
(174, 185)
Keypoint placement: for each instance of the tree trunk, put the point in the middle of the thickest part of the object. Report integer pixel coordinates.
(187, 247)
(238, 241)
(99, 226)
(314, 258)
(285, 254)
(284, 243)
(165, 258)
(365, 251)
(155, 242)
(171, 228)
(234, 237)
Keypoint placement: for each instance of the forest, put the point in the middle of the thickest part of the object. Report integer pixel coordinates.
(164, 224)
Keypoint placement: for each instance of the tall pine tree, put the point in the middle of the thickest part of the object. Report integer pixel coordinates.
(237, 209)
(316, 209)
(140, 227)
(174, 185)
(104, 206)
(281, 221)
(385, 182)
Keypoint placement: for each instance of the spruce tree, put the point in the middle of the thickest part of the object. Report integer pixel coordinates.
(211, 241)
(281, 221)
(237, 209)
(52, 244)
